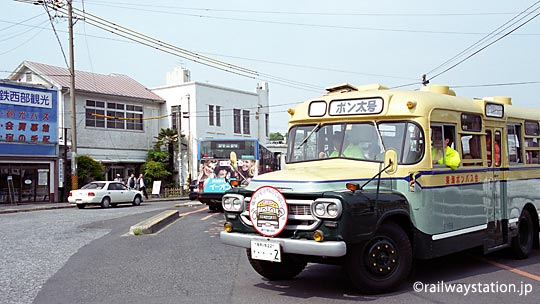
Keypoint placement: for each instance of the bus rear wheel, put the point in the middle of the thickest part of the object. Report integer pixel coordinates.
(289, 267)
(382, 263)
(522, 243)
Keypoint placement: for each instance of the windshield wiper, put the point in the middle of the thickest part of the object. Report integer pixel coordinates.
(315, 129)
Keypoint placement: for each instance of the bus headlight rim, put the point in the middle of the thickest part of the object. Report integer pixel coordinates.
(326, 208)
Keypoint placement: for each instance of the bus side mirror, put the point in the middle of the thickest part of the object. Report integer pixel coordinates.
(390, 161)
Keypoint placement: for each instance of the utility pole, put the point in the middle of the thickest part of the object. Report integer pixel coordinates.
(178, 111)
(74, 176)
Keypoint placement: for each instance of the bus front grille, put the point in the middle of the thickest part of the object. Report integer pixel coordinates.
(300, 217)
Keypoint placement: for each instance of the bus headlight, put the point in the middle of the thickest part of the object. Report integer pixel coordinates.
(329, 208)
(233, 203)
(332, 210)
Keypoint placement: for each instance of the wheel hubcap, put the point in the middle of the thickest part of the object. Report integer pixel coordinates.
(382, 257)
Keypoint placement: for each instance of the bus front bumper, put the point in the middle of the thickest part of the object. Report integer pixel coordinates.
(305, 247)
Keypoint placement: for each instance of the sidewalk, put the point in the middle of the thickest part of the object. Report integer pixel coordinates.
(7, 208)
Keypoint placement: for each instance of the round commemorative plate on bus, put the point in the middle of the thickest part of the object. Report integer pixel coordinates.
(268, 211)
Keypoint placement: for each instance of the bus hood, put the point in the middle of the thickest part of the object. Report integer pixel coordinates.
(314, 178)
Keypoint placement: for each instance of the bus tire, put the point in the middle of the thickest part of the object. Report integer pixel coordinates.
(522, 243)
(289, 267)
(382, 263)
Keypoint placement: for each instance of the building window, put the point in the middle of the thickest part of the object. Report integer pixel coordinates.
(113, 115)
(118, 122)
(218, 116)
(267, 124)
(210, 115)
(95, 114)
(236, 122)
(28, 76)
(134, 115)
(245, 118)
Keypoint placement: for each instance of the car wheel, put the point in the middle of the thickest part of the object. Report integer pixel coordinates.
(382, 263)
(289, 267)
(522, 243)
(106, 202)
(137, 201)
(81, 206)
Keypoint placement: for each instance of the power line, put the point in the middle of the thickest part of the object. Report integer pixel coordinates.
(46, 7)
(189, 55)
(108, 3)
(304, 24)
(242, 58)
(496, 84)
(489, 36)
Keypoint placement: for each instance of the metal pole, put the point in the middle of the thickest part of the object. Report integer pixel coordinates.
(74, 177)
(189, 147)
(179, 133)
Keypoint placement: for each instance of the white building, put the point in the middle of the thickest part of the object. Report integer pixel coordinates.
(211, 111)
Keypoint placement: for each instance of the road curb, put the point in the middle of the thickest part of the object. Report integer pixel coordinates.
(155, 223)
(34, 208)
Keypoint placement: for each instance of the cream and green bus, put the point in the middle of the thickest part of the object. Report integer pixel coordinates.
(376, 178)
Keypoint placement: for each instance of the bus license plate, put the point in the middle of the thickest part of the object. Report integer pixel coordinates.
(265, 250)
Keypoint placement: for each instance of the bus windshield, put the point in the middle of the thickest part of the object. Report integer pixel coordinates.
(361, 141)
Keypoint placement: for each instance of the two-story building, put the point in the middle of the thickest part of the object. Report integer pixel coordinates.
(211, 111)
(115, 114)
(29, 166)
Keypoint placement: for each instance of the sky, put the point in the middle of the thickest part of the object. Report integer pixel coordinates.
(300, 47)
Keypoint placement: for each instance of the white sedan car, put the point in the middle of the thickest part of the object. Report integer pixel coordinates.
(105, 194)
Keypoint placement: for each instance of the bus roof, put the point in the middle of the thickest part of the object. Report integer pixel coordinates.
(344, 101)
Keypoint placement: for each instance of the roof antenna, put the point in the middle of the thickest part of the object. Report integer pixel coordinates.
(424, 80)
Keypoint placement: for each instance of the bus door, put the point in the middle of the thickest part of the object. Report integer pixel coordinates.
(494, 194)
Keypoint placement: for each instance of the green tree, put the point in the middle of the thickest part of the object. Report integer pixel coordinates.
(88, 169)
(170, 138)
(155, 170)
(276, 136)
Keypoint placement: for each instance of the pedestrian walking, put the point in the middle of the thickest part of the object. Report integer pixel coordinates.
(118, 178)
(141, 185)
(132, 182)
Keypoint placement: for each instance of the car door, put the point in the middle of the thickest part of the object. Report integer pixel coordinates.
(124, 194)
(114, 193)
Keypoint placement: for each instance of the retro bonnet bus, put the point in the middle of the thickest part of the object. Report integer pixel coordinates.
(376, 178)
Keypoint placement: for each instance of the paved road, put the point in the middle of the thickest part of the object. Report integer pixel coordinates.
(35, 245)
(85, 256)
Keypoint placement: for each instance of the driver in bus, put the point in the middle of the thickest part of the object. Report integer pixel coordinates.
(352, 150)
(450, 158)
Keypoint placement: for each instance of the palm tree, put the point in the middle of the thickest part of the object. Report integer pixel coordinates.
(170, 137)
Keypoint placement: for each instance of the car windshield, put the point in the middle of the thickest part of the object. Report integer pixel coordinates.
(361, 141)
(97, 186)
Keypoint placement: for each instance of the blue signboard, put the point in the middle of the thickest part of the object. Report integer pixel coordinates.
(28, 120)
(216, 185)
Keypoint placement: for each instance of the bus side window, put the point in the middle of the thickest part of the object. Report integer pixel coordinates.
(514, 144)
(471, 150)
(442, 147)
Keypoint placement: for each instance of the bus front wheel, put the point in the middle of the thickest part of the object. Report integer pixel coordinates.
(382, 263)
(523, 241)
(289, 267)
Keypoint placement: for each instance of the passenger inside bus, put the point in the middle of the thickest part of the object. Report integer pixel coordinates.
(352, 150)
(442, 152)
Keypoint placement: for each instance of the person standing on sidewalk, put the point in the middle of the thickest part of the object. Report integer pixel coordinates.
(141, 185)
(132, 182)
